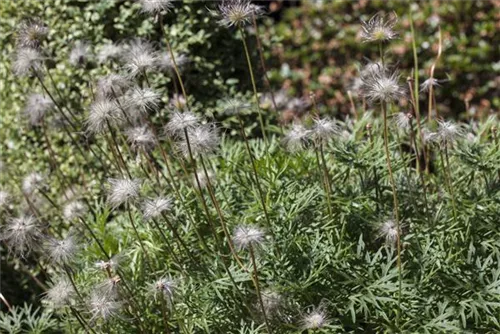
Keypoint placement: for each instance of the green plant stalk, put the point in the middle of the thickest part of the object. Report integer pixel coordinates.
(254, 86)
(146, 254)
(377, 189)
(169, 247)
(164, 314)
(117, 148)
(326, 178)
(450, 184)
(257, 287)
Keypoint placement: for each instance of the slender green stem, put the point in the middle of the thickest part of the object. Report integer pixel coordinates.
(326, 177)
(257, 287)
(146, 254)
(164, 313)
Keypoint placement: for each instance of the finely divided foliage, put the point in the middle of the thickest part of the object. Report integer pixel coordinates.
(149, 211)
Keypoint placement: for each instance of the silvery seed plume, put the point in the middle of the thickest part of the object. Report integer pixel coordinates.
(315, 319)
(74, 210)
(21, 234)
(37, 107)
(246, 236)
(236, 12)
(139, 58)
(177, 102)
(80, 54)
(235, 106)
(164, 287)
(33, 182)
(296, 139)
(141, 138)
(5, 199)
(388, 230)
(203, 140)
(179, 121)
(63, 251)
(324, 129)
(381, 86)
(403, 120)
(152, 208)
(426, 85)
(428, 136)
(109, 286)
(31, 33)
(272, 302)
(379, 28)
(141, 101)
(166, 63)
(123, 191)
(111, 264)
(102, 114)
(112, 86)
(373, 68)
(26, 61)
(154, 7)
(60, 294)
(109, 52)
(203, 179)
(103, 307)
(448, 132)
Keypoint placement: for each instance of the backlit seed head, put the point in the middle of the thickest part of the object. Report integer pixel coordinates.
(62, 251)
(246, 236)
(103, 113)
(381, 86)
(153, 208)
(37, 107)
(388, 230)
(140, 101)
(153, 7)
(237, 12)
(80, 54)
(27, 61)
(235, 106)
(427, 84)
(272, 302)
(164, 287)
(203, 140)
(403, 120)
(112, 86)
(33, 182)
(315, 319)
(103, 306)
(166, 63)
(109, 286)
(31, 33)
(21, 234)
(296, 139)
(323, 130)
(379, 28)
(139, 58)
(141, 138)
(109, 52)
(179, 121)
(111, 264)
(177, 102)
(60, 294)
(5, 199)
(74, 210)
(448, 132)
(123, 191)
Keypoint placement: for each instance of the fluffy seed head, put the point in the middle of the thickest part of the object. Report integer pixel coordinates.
(203, 140)
(379, 28)
(235, 106)
(381, 86)
(21, 234)
(427, 84)
(31, 33)
(103, 306)
(140, 101)
(62, 251)
(79, 54)
(33, 182)
(180, 121)
(109, 52)
(141, 138)
(403, 120)
(272, 301)
(109, 286)
(448, 132)
(165, 286)
(36, 108)
(4, 199)
(296, 138)
(166, 63)
(103, 113)
(111, 264)
(153, 7)
(73, 210)
(123, 191)
(315, 319)
(153, 208)
(323, 130)
(27, 60)
(246, 236)
(112, 86)
(177, 102)
(237, 12)
(389, 231)
(139, 57)
(60, 294)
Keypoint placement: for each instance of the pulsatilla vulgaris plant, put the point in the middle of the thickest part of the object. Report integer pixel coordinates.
(152, 219)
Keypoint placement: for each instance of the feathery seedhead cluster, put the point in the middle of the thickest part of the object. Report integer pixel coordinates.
(203, 140)
(428, 136)
(142, 101)
(109, 286)
(381, 86)
(296, 138)
(166, 63)
(427, 84)
(109, 52)
(139, 57)
(141, 138)
(323, 130)
(153, 7)
(272, 301)
(315, 319)
(111, 264)
(235, 106)
(246, 236)
(73, 210)
(60, 294)
(79, 54)
(123, 191)
(21, 234)
(379, 28)
(63, 251)
(37, 107)
(403, 120)
(103, 113)
(31, 33)
(237, 12)
(27, 60)
(4, 199)
(112, 86)
(165, 287)
(180, 121)
(448, 132)
(32, 182)
(103, 306)
(153, 208)
(389, 231)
